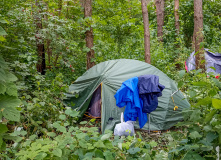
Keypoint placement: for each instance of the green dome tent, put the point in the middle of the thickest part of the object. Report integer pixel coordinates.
(110, 75)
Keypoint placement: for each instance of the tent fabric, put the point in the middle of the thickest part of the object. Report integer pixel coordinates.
(128, 96)
(149, 90)
(213, 60)
(111, 74)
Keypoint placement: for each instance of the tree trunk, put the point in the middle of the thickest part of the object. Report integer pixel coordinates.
(198, 28)
(89, 34)
(146, 31)
(160, 18)
(41, 66)
(176, 14)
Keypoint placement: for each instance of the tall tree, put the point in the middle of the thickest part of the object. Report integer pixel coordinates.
(41, 65)
(89, 34)
(146, 31)
(160, 18)
(176, 14)
(198, 35)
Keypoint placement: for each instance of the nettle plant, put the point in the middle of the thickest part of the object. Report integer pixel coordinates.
(68, 140)
(9, 102)
(202, 122)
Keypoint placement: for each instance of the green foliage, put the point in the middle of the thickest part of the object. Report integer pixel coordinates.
(45, 129)
(201, 121)
(8, 101)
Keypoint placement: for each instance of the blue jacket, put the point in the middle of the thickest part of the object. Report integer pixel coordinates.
(128, 96)
(149, 90)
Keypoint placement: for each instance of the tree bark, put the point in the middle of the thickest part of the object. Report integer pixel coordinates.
(160, 18)
(41, 65)
(176, 14)
(146, 31)
(198, 28)
(89, 34)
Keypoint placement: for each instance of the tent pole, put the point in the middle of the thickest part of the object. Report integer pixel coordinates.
(149, 124)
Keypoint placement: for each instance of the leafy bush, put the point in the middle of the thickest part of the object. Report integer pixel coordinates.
(8, 102)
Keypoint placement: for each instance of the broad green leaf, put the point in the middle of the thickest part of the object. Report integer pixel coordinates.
(99, 144)
(105, 136)
(108, 155)
(11, 77)
(41, 156)
(2, 38)
(23, 133)
(2, 20)
(201, 44)
(93, 120)
(211, 136)
(3, 128)
(83, 122)
(210, 116)
(199, 71)
(18, 139)
(98, 153)
(2, 88)
(195, 116)
(51, 134)
(216, 103)
(2, 63)
(195, 135)
(62, 117)
(56, 125)
(2, 75)
(153, 144)
(57, 152)
(212, 92)
(3, 146)
(33, 137)
(180, 84)
(134, 150)
(11, 89)
(88, 156)
(71, 113)
(83, 144)
(204, 101)
(66, 124)
(90, 146)
(192, 156)
(200, 84)
(2, 32)
(182, 73)
(207, 128)
(11, 114)
(192, 93)
(81, 136)
(62, 129)
(1, 141)
(213, 68)
(8, 101)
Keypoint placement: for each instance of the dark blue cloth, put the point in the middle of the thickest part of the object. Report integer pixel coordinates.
(128, 96)
(149, 90)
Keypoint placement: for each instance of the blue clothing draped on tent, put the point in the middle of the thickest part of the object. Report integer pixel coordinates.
(128, 96)
(149, 90)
